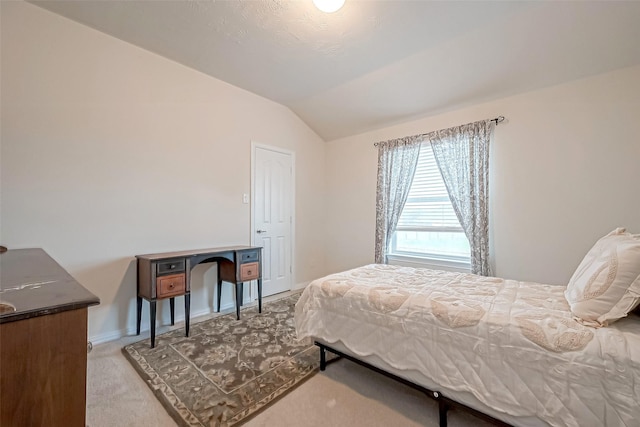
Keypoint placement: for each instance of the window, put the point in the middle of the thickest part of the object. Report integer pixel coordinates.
(428, 226)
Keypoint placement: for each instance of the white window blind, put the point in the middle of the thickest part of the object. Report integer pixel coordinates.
(428, 207)
(428, 228)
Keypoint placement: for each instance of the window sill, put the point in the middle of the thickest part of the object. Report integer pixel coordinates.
(429, 262)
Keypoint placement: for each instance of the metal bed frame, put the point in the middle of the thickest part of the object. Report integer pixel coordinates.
(444, 403)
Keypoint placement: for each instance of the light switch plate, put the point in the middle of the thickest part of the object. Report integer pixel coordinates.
(245, 198)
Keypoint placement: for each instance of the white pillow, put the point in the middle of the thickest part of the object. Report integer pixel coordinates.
(606, 285)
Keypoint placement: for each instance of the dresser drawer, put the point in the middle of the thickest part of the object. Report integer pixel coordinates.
(249, 271)
(170, 267)
(248, 256)
(170, 286)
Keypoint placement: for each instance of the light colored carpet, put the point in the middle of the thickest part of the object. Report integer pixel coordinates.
(346, 394)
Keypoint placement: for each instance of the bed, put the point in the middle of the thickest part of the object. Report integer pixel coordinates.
(510, 349)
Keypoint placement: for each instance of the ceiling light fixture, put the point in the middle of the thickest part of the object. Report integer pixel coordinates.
(328, 6)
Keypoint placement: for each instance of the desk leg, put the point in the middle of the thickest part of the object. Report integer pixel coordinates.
(260, 295)
(152, 319)
(139, 315)
(172, 304)
(187, 309)
(238, 299)
(219, 290)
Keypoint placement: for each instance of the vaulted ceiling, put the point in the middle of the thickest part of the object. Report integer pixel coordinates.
(375, 63)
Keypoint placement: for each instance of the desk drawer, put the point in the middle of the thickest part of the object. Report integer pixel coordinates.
(248, 256)
(249, 271)
(169, 286)
(170, 267)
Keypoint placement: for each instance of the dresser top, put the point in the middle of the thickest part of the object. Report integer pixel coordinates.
(34, 284)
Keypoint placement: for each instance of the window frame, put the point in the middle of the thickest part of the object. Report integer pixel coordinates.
(428, 259)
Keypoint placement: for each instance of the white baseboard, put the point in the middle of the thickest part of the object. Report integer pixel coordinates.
(121, 333)
(111, 336)
(301, 285)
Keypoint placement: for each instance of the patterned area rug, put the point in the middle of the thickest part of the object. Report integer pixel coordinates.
(228, 369)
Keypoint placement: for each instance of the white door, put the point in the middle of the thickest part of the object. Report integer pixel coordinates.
(273, 216)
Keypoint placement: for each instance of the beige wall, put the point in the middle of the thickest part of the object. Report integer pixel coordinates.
(564, 172)
(110, 151)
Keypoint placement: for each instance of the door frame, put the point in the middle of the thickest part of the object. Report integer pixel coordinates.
(255, 146)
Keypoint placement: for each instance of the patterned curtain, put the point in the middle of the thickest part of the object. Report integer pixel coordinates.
(462, 154)
(397, 160)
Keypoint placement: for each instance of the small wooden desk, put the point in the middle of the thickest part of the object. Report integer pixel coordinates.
(168, 275)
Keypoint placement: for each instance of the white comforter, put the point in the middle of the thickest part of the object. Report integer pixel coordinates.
(513, 345)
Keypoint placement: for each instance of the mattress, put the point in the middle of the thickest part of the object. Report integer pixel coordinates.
(512, 346)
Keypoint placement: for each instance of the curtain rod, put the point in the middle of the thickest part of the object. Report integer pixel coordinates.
(497, 120)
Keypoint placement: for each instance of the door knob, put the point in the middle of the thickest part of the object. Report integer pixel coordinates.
(261, 231)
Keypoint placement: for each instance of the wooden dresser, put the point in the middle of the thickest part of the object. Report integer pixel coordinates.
(43, 342)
